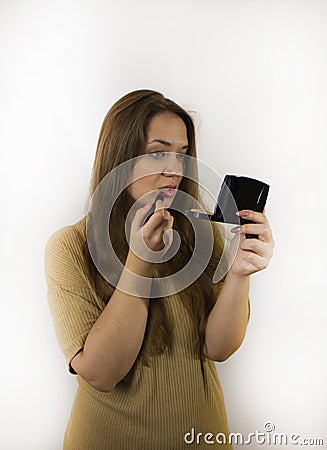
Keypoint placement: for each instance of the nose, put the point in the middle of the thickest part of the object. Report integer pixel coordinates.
(173, 166)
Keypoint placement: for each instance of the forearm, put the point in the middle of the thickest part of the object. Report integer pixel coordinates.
(227, 321)
(115, 339)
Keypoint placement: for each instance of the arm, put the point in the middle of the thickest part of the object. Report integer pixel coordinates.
(114, 341)
(227, 321)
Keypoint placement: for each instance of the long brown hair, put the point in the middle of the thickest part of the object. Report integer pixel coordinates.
(123, 137)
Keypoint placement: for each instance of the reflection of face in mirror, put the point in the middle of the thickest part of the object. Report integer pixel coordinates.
(166, 145)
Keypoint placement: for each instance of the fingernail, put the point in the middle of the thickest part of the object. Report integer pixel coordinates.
(235, 229)
(242, 213)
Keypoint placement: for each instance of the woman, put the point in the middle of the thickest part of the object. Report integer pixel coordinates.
(145, 363)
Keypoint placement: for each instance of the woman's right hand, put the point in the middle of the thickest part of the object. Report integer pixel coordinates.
(155, 235)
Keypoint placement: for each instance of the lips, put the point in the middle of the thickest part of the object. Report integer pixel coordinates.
(171, 186)
(168, 191)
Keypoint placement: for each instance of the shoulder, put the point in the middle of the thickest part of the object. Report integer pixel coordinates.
(68, 237)
(63, 253)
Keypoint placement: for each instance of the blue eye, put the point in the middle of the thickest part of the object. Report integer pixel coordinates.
(158, 155)
(181, 156)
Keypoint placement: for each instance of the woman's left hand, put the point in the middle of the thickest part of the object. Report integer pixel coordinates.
(252, 254)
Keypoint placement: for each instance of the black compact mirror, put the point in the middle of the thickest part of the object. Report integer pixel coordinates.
(236, 193)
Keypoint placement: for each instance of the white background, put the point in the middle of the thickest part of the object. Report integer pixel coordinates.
(255, 73)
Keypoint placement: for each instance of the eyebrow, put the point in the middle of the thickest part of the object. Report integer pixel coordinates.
(161, 141)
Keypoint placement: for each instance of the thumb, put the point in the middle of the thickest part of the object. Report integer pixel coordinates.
(140, 215)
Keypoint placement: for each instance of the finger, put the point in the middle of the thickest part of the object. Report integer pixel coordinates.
(159, 205)
(141, 214)
(160, 224)
(263, 231)
(254, 228)
(169, 225)
(159, 217)
(255, 216)
(258, 262)
(254, 245)
(144, 214)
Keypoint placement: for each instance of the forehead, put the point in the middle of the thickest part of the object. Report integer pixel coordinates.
(168, 127)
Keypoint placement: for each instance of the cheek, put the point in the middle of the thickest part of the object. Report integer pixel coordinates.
(142, 186)
(143, 167)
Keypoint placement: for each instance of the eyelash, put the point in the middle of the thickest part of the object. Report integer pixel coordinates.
(182, 155)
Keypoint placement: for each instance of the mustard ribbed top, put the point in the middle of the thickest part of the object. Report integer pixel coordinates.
(154, 407)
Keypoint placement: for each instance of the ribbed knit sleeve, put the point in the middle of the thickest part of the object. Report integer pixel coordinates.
(73, 305)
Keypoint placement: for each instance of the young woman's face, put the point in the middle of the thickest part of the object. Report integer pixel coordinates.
(161, 166)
